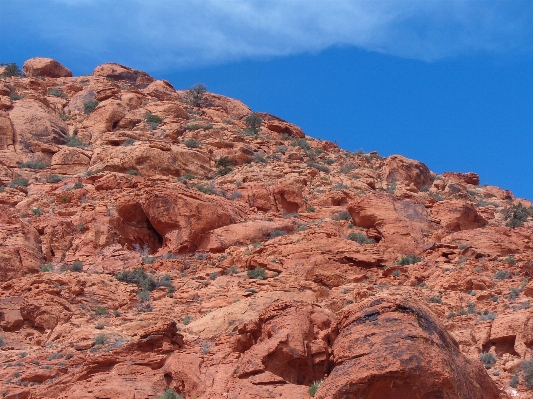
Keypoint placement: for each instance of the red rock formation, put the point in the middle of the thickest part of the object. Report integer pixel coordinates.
(45, 67)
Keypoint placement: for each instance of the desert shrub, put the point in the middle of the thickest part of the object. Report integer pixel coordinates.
(76, 266)
(143, 280)
(511, 260)
(258, 158)
(502, 274)
(205, 189)
(223, 162)
(100, 311)
(339, 187)
(77, 185)
(436, 197)
(2, 342)
(153, 119)
(344, 215)
(193, 126)
(224, 171)
(232, 270)
(319, 167)
(192, 143)
(74, 141)
(281, 149)
(195, 95)
(100, 339)
(19, 182)
(314, 387)
(37, 211)
(391, 189)
(100, 326)
(397, 273)
(527, 373)
(302, 143)
(11, 69)
(33, 165)
(360, 238)
(144, 296)
(54, 179)
(513, 382)
(516, 215)
(486, 316)
(277, 233)
(488, 359)
(89, 106)
(171, 394)
(258, 273)
(15, 96)
(128, 142)
(57, 93)
(409, 260)
(435, 299)
(132, 172)
(47, 268)
(253, 121)
(185, 177)
(187, 319)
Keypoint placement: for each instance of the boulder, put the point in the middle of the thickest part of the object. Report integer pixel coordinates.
(48, 67)
(456, 215)
(70, 161)
(405, 171)
(394, 347)
(120, 72)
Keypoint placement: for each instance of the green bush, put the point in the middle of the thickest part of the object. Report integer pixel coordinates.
(277, 233)
(19, 182)
(37, 211)
(47, 268)
(100, 339)
(11, 69)
(144, 280)
(35, 164)
(205, 189)
(74, 141)
(187, 319)
(527, 373)
(314, 387)
(223, 162)
(516, 215)
(321, 168)
(258, 158)
(76, 266)
(360, 238)
(153, 120)
(258, 273)
(132, 172)
(54, 179)
(344, 215)
(195, 95)
(192, 143)
(224, 171)
(409, 260)
(128, 142)
(100, 311)
(171, 394)
(488, 359)
(89, 106)
(57, 93)
(253, 121)
(14, 96)
(77, 185)
(502, 274)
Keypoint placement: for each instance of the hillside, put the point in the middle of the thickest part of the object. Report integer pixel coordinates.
(155, 239)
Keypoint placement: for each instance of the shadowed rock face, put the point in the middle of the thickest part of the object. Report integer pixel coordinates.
(394, 347)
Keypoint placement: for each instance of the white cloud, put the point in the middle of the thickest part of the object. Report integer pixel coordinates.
(170, 34)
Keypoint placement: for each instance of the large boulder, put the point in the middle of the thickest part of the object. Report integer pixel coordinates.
(120, 72)
(40, 66)
(393, 347)
(407, 172)
(455, 215)
(70, 161)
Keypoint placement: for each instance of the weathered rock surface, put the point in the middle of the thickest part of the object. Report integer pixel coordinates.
(45, 67)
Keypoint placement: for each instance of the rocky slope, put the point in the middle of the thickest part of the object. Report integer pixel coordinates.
(154, 239)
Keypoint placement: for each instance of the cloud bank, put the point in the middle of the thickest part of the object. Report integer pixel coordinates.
(172, 34)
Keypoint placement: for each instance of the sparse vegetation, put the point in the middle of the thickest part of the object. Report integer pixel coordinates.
(187, 319)
(145, 281)
(19, 182)
(319, 167)
(171, 394)
(153, 120)
(194, 96)
(57, 93)
(516, 215)
(527, 373)
(502, 274)
(74, 141)
(314, 387)
(258, 273)
(409, 260)
(344, 215)
(89, 106)
(192, 143)
(277, 233)
(76, 266)
(360, 238)
(47, 268)
(11, 69)
(253, 121)
(35, 164)
(54, 179)
(488, 359)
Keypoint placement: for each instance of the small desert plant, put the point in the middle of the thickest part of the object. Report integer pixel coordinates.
(258, 273)
(192, 143)
(314, 387)
(74, 141)
(516, 215)
(502, 274)
(223, 162)
(57, 93)
(187, 319)
(277, 233)
(89, 106)
(409, 260)
(47, 267)
(37, 211)
(321, 168)
(258, 158)
(19, 182)
(132, 172)
(360, 238)
(100, 311)
(205, 189)
(15, 96)
(153, 120)
(344, 215)
(171, 394)
(33, 165)
(397, 273)
(253, 121)
(488, 359)
(100, 339)
(128, 142)
(195, 95)
(11, 69)
(76, 266)
(54, 179)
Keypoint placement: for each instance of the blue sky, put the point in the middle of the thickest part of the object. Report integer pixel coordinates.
(449, 83)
